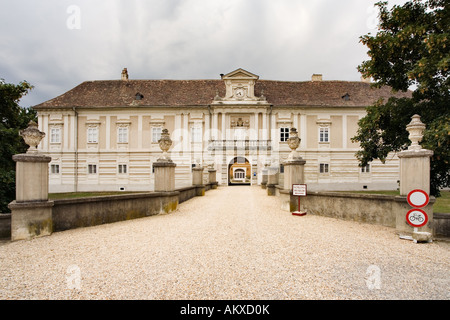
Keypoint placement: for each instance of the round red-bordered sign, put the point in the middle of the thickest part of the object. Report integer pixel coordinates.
(417, 218)
(418, 198)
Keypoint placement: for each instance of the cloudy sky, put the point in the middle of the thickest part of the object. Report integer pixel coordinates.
(57, 44)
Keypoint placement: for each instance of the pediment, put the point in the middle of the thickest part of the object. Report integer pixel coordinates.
(240, 89)
(240, 74)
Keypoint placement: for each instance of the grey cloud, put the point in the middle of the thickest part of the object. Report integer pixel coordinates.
(178, 39)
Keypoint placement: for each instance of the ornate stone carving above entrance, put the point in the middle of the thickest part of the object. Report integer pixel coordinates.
(240, 121)
(240, 88)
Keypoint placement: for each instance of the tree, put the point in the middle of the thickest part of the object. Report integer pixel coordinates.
(410, 49)
(13, 119)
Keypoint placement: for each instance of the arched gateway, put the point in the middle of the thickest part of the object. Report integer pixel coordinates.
(239, 171)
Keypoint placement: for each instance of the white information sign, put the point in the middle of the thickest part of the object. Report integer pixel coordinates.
(299, 189)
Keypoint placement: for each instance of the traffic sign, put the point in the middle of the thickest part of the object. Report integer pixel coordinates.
(417, 218)
(418, 198)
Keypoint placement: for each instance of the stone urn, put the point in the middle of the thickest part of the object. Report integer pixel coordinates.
(165, 143)
(32, 136)
(293, 143)
(415, 129)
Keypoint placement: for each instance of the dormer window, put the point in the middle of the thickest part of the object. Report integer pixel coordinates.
(346, 97)
(138, 96)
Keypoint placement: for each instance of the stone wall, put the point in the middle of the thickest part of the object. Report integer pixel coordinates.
(85, 212)
(441, 224)
(5, 225)
(389, 211)
(90, 211)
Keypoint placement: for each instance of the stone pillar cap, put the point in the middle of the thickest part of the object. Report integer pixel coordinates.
(31, 157)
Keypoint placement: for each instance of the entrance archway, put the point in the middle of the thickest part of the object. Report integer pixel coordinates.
(239, 171)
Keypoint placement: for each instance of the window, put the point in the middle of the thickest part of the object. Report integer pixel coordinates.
(284, 134)
(323, 168)
(122, 168)
(92, 135)
(196, 134)
(123, 134)
(156, 134)
(365, 168)
(324, 135)
(54, 168)
(55, 135)
(92, 168)
(239, 174)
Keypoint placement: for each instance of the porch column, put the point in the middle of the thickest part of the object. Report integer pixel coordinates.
(264, 126)
(256, 126)
(215, 126)
(223, 127)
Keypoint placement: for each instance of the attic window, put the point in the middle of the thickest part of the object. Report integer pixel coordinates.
(138, 96)
(346, 97)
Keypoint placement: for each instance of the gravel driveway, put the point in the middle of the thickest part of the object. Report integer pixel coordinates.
(233, 243)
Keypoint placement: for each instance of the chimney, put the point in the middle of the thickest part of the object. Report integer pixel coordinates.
(316, 77)
(124, 74)
(366, 80)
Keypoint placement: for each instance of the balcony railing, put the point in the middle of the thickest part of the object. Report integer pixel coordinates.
(240, 145)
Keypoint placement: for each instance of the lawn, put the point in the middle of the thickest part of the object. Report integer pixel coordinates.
(442, 204)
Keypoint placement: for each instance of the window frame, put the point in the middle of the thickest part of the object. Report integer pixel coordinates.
(196, 134)
(55, 135)
(156, 131)
(284, 134)
(122, 134)
(366, 169)
(54, 168)
(122, 168)
(324, 168)
(92, 135)
(324, 134)
(92, 169)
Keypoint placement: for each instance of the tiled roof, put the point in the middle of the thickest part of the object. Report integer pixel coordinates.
(121, 93)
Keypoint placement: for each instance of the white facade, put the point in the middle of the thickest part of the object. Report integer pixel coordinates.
(112, 148)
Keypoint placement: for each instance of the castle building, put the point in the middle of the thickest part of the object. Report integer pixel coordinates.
(103, 135)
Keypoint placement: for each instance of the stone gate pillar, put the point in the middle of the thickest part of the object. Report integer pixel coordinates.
(272, 180)
(294, 165)
(415, 162)
(212, 178)
(414, 174)
(197, 179)
(164, 166)
(31, 212)
(294, 173)
(264, 173)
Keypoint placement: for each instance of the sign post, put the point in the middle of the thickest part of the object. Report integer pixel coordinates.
(300, 191)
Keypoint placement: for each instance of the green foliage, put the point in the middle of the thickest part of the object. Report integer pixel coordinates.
(411, 48)
(13, 119)
(437, 138)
